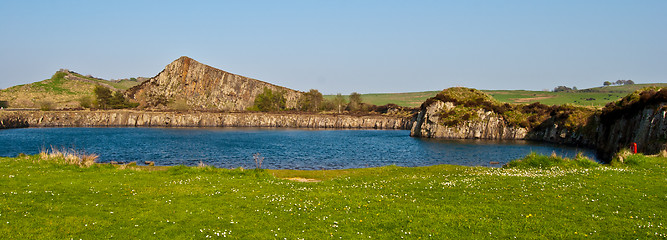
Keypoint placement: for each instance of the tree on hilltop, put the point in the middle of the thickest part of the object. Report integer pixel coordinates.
(562, 89)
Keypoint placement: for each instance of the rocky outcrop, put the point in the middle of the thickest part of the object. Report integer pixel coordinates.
(202, 87)
(641, 123)
(486, 125)
(648, 129)
(12, 120)
(200, 119)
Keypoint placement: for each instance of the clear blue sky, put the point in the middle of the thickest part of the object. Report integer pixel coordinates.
(344, 46)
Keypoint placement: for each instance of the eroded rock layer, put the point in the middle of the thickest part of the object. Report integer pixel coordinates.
(198, 119)
(202, 87)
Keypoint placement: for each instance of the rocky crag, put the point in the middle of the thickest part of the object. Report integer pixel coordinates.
(462, 113)
(126, 118)
(202, 87)
(487, 125)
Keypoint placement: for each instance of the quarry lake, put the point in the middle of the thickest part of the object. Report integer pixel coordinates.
(281, 148)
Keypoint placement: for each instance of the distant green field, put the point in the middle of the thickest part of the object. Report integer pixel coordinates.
(596, 97)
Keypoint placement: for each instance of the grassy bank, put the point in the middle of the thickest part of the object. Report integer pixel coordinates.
(47, 200)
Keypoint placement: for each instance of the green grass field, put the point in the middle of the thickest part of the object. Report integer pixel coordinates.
(596, 97)
(45, 200)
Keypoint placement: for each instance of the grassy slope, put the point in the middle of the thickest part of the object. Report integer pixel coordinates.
(601, 95)
(123, 84)
(60, 92)
(49, 201)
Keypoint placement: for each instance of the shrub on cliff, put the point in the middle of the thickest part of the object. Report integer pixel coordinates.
(86, 102)
(45, 105)
(269, 101)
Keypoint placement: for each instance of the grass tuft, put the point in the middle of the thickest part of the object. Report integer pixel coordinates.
(535, 160)
(68, 156)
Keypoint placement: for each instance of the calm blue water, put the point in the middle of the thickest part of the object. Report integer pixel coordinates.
(282, 148)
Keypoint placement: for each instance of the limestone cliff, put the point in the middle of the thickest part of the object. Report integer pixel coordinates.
(127, 118)
(202, 87)
(648, 129)
(12, 120)
(641, 119)
(484, 125)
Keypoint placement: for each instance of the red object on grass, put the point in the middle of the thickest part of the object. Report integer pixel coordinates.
(634, 147)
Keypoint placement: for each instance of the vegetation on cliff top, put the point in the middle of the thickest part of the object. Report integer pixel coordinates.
(269, 101)
(633, 103)
(50, 200)
(469, 101)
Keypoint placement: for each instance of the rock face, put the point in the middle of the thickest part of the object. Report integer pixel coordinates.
(12, 120)
(487, 125)
(202, 87)
(648, 129)
(197, 119)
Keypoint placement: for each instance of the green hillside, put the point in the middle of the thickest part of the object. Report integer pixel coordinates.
(64, 89)
(596, 97)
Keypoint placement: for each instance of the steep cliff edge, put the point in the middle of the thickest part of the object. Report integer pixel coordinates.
(480, 124)
(128, 118)
(467, 113)
(202, 87)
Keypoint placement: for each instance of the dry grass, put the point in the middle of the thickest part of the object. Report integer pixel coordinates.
(663, 153)
(68, 156)
(300, 179)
